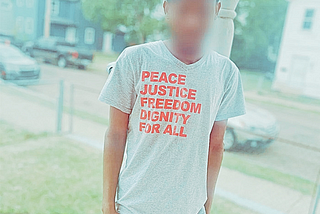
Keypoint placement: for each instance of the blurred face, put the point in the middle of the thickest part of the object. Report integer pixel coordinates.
(190, 20)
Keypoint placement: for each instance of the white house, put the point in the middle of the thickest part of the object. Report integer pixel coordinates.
(298, 66)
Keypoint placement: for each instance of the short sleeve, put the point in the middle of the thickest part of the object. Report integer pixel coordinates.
(118, 91)
(232, 103)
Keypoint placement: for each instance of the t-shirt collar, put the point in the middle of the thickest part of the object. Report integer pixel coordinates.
(179, 62)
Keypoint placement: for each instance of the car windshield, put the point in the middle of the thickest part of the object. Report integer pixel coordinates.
(11, 53)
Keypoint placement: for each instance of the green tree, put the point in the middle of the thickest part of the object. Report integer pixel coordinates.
(258, 32)
(137, 16)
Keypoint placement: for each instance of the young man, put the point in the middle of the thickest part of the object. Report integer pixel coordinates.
(170, 101)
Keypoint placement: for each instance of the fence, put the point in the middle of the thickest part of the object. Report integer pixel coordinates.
(282, 179)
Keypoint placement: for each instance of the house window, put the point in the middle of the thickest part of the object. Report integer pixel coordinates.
(55, 6)
(308, 19)
(29, 3)
(71, 34)
(89, 35)
(5, 5)
(29, 26)
(19, 3)
(19, 24)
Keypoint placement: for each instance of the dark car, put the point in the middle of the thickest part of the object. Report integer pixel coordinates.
(58, 51)
(15, 65)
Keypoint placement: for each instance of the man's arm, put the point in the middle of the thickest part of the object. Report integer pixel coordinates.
(114, 146)
(214, 159)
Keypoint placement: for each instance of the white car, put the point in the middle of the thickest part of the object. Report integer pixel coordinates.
(15, 65)
(255, 130)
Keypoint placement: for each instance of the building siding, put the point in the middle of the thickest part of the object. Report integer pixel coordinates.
(70, 16)
(302, 45)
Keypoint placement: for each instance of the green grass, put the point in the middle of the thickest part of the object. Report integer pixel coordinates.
(13, 136)
(223, 206)
(234, 162)
(256, 82)
(52, 174)
(49, 175)
(230, 161)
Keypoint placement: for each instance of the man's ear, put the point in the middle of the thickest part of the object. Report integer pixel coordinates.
(166, 7)
(218, 7)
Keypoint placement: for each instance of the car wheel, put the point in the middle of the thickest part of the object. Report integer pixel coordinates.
(82, 67)
(28, 52)
(229, 140)
(62, 62)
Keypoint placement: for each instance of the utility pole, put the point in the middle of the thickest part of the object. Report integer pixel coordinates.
(47, 21)
(223, 29)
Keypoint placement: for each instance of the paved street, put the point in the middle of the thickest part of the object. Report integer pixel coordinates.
(298, 126)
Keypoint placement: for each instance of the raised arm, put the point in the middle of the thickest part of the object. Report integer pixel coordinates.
(214, 159)
(114, 145)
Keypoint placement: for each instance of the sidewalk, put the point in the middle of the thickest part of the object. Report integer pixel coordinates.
(256, 194)
(38, 117)
(270, 198)
(278, 101)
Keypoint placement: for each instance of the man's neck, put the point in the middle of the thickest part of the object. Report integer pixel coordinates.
(185, 55)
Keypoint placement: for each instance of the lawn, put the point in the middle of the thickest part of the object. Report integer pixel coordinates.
(46, 173)
(235, 162)
(258, 83)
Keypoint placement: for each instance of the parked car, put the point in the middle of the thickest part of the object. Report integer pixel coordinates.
(10, 40)
(4, 39)
(254, 131)
(58, 51)
(15, 65)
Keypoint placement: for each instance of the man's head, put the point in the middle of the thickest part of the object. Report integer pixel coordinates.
(190, 20)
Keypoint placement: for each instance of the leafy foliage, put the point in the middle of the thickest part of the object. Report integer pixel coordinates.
(136, 16)
(258, 31)
(258, 26)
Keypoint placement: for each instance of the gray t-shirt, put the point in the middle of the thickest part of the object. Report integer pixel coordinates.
(172, 108)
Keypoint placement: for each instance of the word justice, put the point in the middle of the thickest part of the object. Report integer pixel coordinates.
(163, 77)
(163, 90)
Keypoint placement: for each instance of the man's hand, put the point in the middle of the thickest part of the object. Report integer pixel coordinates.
(106, 210)
(109, 208)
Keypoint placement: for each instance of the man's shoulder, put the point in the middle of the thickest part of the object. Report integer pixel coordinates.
(226, 68)
(222, 60)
